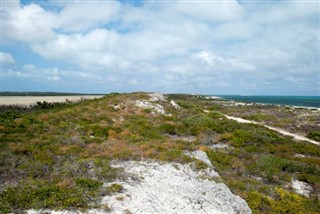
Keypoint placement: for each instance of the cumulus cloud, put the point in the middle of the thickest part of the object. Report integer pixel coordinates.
(6, 59)
(29, 23)
(210, 11)
(33, 72)
(79, 17)
(179, 45)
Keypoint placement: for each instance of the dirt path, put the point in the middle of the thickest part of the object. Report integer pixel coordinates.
(281, 131)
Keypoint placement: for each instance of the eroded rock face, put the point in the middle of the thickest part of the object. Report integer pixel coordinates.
(152, 187)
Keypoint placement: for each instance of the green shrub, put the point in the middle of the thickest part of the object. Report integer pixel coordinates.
(88, 183)
(42, 195)
(259, 117)
(253, 136)
(100, 131)
(275, 168)
(314, 135)
(167, 128)
(198, 123)
(259, 203)
(221, 160)
(113, 188)
(104, 171)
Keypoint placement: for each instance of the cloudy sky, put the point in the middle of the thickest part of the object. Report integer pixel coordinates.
(209, 47)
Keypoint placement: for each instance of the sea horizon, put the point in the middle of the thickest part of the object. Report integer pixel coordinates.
(290, 100)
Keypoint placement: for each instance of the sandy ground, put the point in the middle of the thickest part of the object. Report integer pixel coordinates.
(28, 100)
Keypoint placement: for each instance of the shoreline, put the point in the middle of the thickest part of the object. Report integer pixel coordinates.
(31, 100)
(239, 103)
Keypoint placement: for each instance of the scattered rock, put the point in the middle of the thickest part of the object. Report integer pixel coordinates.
(200, 155)
(174, 104)
(299, 156)
(117, 107)
(219, 146)
(156, 97)
(157, 108)
(301, 187)
(208, 137)
(182, 138)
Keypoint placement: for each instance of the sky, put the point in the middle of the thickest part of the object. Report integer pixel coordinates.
(213, 47)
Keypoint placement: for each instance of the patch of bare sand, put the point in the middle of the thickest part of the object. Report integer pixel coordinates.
(29, 100)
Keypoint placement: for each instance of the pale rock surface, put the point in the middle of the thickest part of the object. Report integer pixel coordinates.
(171, 188)
(151, 103)
(189, 138)
(219, 146)
(301, 187)
(209, 172)
(156, 97)
(200, 155)
(147, 105)
(174, 104)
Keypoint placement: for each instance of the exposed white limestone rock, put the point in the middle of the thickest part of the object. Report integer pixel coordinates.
(171, 188)
(156, 97)
(174, 104)
(157, 108)
(301, 187)
(219, 146)
(200, 155)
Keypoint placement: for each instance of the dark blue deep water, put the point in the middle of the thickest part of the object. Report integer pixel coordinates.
(307, 101)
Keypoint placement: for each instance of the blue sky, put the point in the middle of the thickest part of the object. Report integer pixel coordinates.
(206, 47)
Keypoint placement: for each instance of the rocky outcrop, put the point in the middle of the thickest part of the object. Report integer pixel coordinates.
(152, 187)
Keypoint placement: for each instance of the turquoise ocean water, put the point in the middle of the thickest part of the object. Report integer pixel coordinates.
(307, 101)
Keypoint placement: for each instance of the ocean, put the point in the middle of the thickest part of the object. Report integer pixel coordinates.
(306, 101)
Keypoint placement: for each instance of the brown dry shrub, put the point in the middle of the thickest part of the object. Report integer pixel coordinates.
(65, 149)
(44, 117)
(112, 135)
(203, 148)
(66, 183)
(18, 148)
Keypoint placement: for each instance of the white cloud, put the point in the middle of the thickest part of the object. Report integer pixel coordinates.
(6, 58)
(79, 17)
(219, 63)
(95, 50)
(30, 23)
(210, 11)
(10, 6)
(184, 44)
(39, 73)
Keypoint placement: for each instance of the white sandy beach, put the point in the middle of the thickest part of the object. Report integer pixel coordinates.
(28, 100)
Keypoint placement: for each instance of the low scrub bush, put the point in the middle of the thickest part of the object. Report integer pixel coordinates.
(88, 183)
(221, 160)
(314, 135)
(40, 194)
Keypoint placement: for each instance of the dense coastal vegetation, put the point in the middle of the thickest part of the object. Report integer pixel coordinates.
(58, 156)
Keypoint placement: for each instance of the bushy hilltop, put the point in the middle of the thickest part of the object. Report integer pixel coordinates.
(90, 155)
